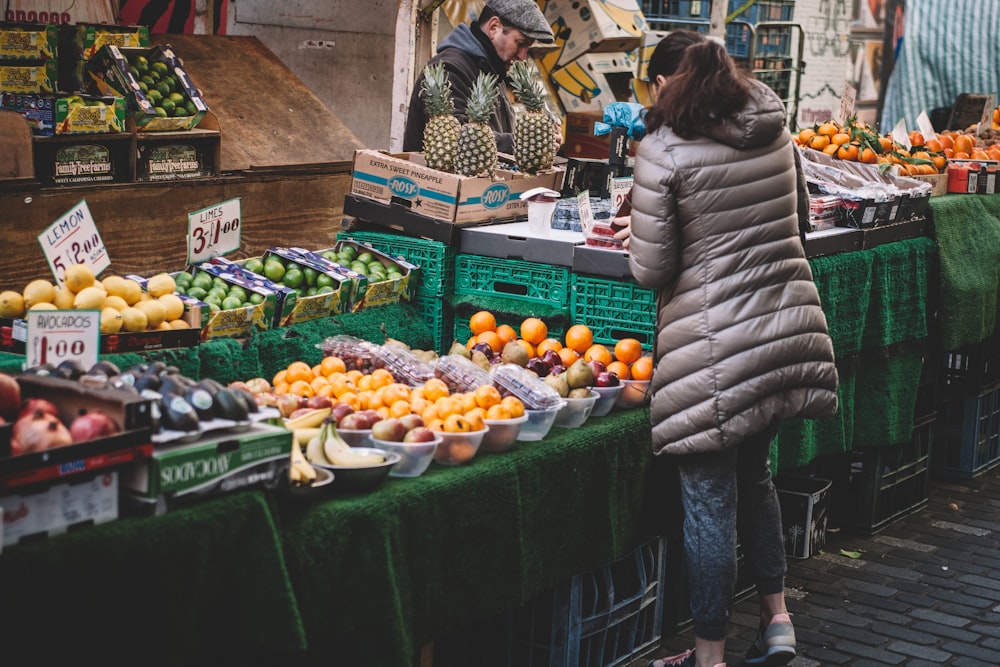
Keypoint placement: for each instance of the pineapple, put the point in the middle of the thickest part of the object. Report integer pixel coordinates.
(441, 131)
(535, 133)
(476, 153)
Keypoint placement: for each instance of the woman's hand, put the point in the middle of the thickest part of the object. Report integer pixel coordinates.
(624, 225)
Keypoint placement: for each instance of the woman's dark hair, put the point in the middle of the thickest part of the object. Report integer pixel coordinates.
(706, 88)
(667, 55)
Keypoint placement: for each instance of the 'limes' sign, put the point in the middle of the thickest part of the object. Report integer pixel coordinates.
(214, 231)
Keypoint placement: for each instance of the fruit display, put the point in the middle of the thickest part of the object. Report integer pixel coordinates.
(441, 131)
(535, 141)
(476, 150)
(215, 291)
(123, 304)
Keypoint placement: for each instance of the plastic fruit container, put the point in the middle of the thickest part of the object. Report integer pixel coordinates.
(458, 448)
(356, 437)
(607, 396)
(356, 354)
(633, 394)
(577, 411)
(460, 374)
(535, 394)
(502, 433)
(539, 422)
(414, 457)
(405, 366)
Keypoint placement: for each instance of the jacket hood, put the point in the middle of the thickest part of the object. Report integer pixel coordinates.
(462, 38)
(760, 122)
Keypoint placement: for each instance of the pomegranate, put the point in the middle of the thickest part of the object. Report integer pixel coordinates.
(92, 425)
(33, 405)
(10, 396)
(37, 432)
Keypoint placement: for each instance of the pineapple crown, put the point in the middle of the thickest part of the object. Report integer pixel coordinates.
(527, 90)
(482, 98)
(435, 91)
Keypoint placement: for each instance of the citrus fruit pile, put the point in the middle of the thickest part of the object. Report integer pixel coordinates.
(363, 262)
(305, 280)
(214, 291)
(161, 88)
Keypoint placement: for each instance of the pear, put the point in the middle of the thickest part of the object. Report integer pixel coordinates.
(481, 360)
(514, 353)
(559, 383)
(580, 374)
(579, 392)
(459, 349)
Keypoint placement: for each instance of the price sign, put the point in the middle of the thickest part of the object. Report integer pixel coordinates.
(586, 214)
(214, 231)
(986, 120)
(847, 103)
(925, 126)
(900, 135)
(620, 187)
(55, 336)
(73, 239)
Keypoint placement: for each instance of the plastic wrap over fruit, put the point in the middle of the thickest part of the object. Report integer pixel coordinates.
(403, 364)
(532, 390)
(460, 374)
(356, 354)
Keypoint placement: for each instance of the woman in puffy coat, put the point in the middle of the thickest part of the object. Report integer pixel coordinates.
(741, 341)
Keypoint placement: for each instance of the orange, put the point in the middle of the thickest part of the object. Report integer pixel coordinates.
(429, 414)
(469, 344)
(916, 138)
(476, 417)
(847, 152)
(448, 405)
(840, 138)
(568, 355)
(301, 388)
(579, 337)
(354, 375)
(482, 321)
(529, 348)
(548, 344)
(946, 141)
(332, 365)
(506, 333)
(435, 388)
(417, 405)
(598, 352)
(885, 143)
(436, 424)
(933, 145)
(351, 399)
(619, 368)
(490, 338)
(628, 350)
(397, 391)
(828, 129)
(867, 156)
(318, 383)
(642, 369)
(819, 142)
(498, 411)
(316, 371)
(365, 383)
(513, 405)
(383, 412)
(457, 423)
(468, 400)
(298, 370)
(381, 377)
(280, 388)
(534, 330)
(963, 144)
(399, 408)
(325, 390)
(831, 149)
(806, 134)
(486, 396)
(280, 378)
(979, 154)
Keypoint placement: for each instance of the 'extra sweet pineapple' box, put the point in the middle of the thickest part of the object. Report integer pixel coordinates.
(405, 180)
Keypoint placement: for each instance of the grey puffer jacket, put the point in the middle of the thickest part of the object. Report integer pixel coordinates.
(740, 335)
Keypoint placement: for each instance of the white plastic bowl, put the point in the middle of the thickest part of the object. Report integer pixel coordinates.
(458, 448)
(606, 399)
(502, 433)
(414, 457)
(539, 422)
(356, 438)
(577, 411)
(633, 394)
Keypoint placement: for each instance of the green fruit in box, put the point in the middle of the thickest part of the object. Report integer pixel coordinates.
(179, 112)
(255, 298)
(161, 112)
(141, 63)
(254, 264)
(232, 303)
(197, 293)
(154, 96)
(191, 108)
(167, 106)
(238, 292)
(274, 270)
(323, 280)
(202, 280)
(293, 278)
(310, 275)
(183, 278)
(177, 98)
(164, 88)
(149, 81)
(144, 88)
(160, 67)
(349, 251)
(365, 257)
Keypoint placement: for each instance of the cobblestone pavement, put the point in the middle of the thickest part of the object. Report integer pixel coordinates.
(923, 591)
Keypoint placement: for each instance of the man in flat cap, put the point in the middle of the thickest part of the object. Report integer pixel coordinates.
(502, 34)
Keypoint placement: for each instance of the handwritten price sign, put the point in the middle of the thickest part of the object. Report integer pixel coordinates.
(73, 239)
(55, 336)
(214, 231)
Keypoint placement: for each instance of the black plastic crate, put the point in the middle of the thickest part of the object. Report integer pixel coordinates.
(876, 486)
(973, 367)
(805, 505)
(968, 434)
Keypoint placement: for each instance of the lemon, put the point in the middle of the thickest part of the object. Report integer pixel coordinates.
(173, 305)
(116, 302)
(133, 319)
(43, 305)
(111, 321)
(90, 298)
(64, 298)
(164, 326)
(38, 291)
(155, 312)
(133, 292)
(160, 284)
(179, 324)
(115, 286)
(78, 277)
(11, 304)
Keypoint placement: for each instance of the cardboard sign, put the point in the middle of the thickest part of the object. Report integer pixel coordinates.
(214, 231)
(73, 239)
(847, 102)
(55, 336)
(986, 120)
(925, 126)
(620, 187)
(586, 214)
(900, 135)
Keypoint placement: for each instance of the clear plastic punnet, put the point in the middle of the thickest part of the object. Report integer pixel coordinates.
(357, 354)
(533, 392)
(460, 374)
(404, 365)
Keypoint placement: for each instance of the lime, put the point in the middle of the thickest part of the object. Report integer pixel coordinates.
(191, 108)
(167, 105)
(323, 280)
(360, 267)
(311, 291)
(349, 251)
(182, 289)
(232, 303)
(160, 67)
(218, 292)
(310, 275)
(143, 87)
(155, 76)
(202, 280)
(197, 292)
(177, 98)
(294, 277)
(148, 80)
(255, 298)
(179, 112)
(164, 88)
(330, 255)
(134, 71)
(325, 289)
(254, 264)
(365, 257)
(160, 111)
(212, 300)
(154, 96)
(238, 292)
(219, 282)
(141, 63)
(274, 270)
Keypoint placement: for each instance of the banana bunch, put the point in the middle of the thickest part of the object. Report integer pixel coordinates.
(312, 419)
(300, 471)
(328, 448)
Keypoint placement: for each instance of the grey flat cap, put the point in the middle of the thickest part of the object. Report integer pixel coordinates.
(525, 16)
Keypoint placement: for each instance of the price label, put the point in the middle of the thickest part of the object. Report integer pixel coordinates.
(847, 102)
(214, 231)
(55, 336)
(620, 187)
(900, 135)
(73, 239)
(586, 214)
(986, 120)
(925, 126)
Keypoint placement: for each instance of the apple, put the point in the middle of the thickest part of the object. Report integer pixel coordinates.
(420, 434)
(371, 416)
(299, 412)
(353, 422)
(258, 385)
(390, 429)
(538, 367)
(318, 401)
(287, 404)
(10, 396)
(485, 349)
(606, 379)
(340, 410)
(597, 366)
(551, 358)
(266, 399)
(239, 384)
(558, 369)
(411, 421)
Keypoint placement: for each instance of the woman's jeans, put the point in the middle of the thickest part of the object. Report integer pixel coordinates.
(723, 493)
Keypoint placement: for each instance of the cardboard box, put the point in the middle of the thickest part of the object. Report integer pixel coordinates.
(404, 179)
(89, 38)
(79, 160)
(238, 322)
(939, 182)
(586, 26)
(804, 504)
(180, 155)
(595, 80)
(40, 76)
(214, 464)
(59, 508)
(110, 72)
(320, 305)
(60, 114)
(28, 41)
(517, 240)
(647, 44)
(384, 291)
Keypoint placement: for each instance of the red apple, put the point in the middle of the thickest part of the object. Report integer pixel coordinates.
(33, 405)
(420, 434)
(390, 429)
(339, 411)
(411, 421)
(287, 404)
(318, 401)
(606, 379)
(258, 385)
(597, 366)
(354, 422)
(371, 416)
(266, 399)
(551, 358)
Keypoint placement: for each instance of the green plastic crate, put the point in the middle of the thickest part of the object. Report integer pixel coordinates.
(439, 316)
(614, 309)
(514, 279)
(435, 259)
